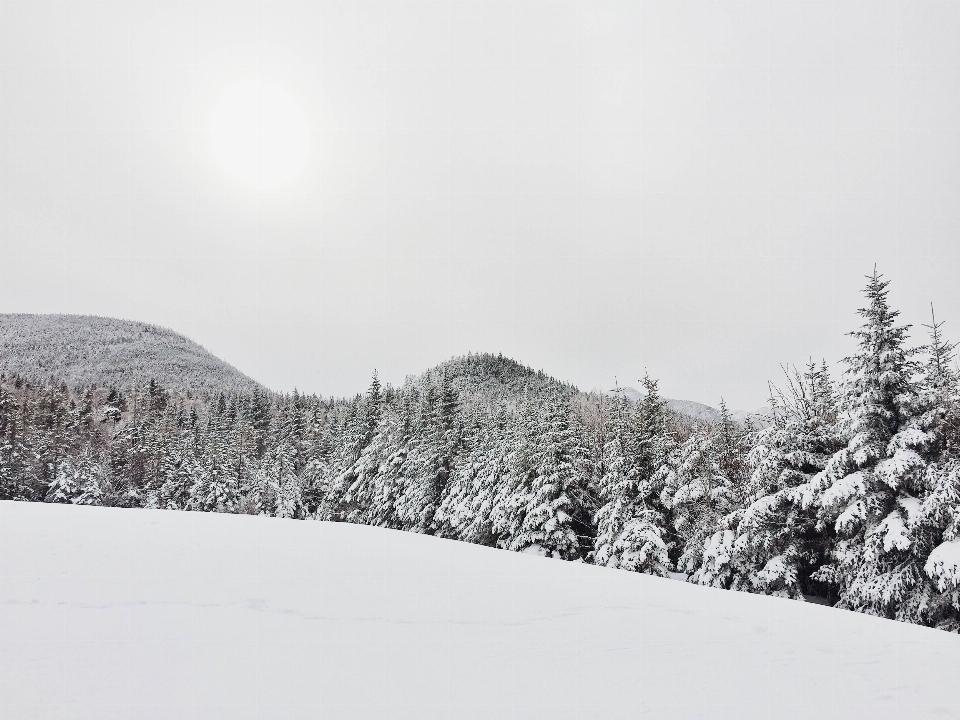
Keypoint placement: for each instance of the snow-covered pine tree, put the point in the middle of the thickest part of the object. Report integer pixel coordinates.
(12, 485)
(177, 469)
(940, 390)
(703, 483)
(630, 523)
(455, 511)
(214, 489)
(65, 485)
(516, 454)
(114, 406)
(935, 523)
(396, 465)
(418, 492)
(465, 513)
(430, 459)
(869, 489)
(347, 490)
(284, 460)
(777, 546)
(215, 486)
(321, 444)
(554, 504)
(81, 480)
(257, 413)
(364, 501)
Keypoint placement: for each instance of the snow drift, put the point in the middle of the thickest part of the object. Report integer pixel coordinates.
(110, 613)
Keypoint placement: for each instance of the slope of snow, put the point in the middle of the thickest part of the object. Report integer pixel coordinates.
(111, 613)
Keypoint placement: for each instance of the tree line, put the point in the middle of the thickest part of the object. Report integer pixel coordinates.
(850, 494)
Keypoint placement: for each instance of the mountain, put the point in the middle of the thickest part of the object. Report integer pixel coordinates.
(89, 350)
(86, 350)
(112, 613)
(495, 377)
(485, 379)
(697, 411)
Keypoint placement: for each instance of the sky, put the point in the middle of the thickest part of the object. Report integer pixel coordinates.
(316, 190)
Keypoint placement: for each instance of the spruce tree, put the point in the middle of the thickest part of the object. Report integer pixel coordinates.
(553, 499)
(510, 493)
(777, 545)
(935, 523)
(426, 467)
(630, 524)
(466, 511)
(703, 483)
(870, 488)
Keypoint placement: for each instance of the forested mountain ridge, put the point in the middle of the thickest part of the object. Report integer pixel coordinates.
(695, 410)
(850, 494)
(86, 350)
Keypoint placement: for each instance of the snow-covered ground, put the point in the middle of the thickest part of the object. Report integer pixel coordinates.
(144, 614)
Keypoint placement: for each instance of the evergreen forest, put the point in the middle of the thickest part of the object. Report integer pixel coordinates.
(847, 494)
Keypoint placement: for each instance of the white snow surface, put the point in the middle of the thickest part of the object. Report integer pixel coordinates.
(943, 565)
(109, 613)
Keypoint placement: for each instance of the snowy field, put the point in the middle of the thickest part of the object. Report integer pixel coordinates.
(144, 614)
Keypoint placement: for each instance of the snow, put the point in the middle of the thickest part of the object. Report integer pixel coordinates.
(894, 532)
(943, 565)
(910, 505)
(110, 613)
(853, 485)
(892, 470)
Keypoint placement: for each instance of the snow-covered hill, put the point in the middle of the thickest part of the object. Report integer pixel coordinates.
(695, 410)
(88, 350)
(110, 613)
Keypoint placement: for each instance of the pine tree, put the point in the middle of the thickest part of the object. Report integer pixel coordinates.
(465, 513)
(213, 490)
(12, 486)
(511, 492)
(284, 461)
(83, 480)
(552, 506)
(703, 483)
(936, 525)
(935, 522)
(869, 489)
(777, 545)
(630, 524)
(177, 470)
(424, 471)
(351, 478)
(215, 487)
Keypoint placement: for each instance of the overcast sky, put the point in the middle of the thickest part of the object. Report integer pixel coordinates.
(595, 189)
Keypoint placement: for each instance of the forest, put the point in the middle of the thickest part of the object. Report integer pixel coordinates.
(849, 493)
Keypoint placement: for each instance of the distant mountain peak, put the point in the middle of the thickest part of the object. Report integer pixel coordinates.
(86, 350)
(692, 409)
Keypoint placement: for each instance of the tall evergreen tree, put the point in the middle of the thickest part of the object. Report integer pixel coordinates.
(777, 546)
(552, 507)
(869, 489)
(704, 482)
(935, 523)
(631, 522)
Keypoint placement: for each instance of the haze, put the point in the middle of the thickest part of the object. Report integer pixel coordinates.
(595, 189)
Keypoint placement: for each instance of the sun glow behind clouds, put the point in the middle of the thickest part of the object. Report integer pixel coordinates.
(259, 134)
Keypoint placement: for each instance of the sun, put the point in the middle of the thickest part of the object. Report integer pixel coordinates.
(259, 134)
